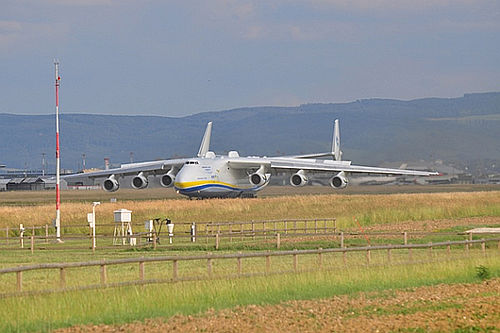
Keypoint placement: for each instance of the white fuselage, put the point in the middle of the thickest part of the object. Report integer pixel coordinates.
(212, 177)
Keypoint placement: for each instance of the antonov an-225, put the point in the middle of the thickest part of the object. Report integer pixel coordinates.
(212, 176)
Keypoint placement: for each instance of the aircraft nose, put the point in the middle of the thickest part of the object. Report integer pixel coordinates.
(182, 178)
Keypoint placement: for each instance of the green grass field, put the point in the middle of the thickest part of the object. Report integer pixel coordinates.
(126, 304)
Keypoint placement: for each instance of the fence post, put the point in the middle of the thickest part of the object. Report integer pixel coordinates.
(483, 247)
(278, 241)
(286, 226)
(141, 270)
(341, 239)
(32, 245)
(239, 264)
(19, 276)
(295, 261)
(467, 247)
(368, 256)
(104, 275)
(62, 277)
(33, 230)
(217, 241)
(405, 238)
(46, 233)
(430, 249)
(154, 240)
(209, 265)
(448, 249)
(320, 258)
(175, 272)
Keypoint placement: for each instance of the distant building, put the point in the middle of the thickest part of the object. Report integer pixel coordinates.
(3, 184)
(28, 184)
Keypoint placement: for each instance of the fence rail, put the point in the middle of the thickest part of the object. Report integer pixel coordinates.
(210, 258)
(209, 240)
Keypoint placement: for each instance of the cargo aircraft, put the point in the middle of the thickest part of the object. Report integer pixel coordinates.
(218, 176)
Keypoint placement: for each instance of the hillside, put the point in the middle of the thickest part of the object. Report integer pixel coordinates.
(372, 131)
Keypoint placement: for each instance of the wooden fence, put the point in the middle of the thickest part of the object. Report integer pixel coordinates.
(213, 238)
(210, 258)
(29, 237)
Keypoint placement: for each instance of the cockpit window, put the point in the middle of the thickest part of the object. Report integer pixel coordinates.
(191, 162)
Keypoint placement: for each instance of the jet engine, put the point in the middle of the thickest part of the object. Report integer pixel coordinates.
(140, 181)
(339, 181)
(167, 180)
(257, 178)
(111, 184)
(299, 179)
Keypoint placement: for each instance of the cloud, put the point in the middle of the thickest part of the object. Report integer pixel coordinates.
(18, 35)
(309, 31)
(228, 9)
(404, 5)
(86, 3)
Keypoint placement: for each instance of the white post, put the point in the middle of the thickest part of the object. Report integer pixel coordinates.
(58, 161)
(193, 232)
(170, 227)
(21, 235)
(94, 204)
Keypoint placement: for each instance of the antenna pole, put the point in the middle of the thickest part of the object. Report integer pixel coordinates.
(58, 161)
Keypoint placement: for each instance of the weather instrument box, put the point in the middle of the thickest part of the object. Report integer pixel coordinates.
(123, 215)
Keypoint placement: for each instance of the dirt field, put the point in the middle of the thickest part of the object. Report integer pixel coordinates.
(442, 308)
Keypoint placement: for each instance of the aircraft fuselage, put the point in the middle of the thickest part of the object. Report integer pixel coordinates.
(213, 178)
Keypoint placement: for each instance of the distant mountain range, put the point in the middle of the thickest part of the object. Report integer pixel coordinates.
(373, 131)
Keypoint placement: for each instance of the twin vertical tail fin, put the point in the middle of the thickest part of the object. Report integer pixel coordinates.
(337, 153)
(205, 142)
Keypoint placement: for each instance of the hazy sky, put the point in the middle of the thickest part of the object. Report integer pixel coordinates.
(176, 58)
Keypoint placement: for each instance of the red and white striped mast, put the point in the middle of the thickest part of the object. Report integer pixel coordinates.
(58, 161)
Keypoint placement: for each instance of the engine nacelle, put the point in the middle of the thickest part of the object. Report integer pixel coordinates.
(140, 181)
(257, 179)
(167, 180)
(339, 181)
(111, 184)
(299, 179)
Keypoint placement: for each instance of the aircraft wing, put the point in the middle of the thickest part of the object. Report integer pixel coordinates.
(148, 168)
(317, 165)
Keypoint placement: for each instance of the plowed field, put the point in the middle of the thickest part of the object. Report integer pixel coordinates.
(441, 308)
